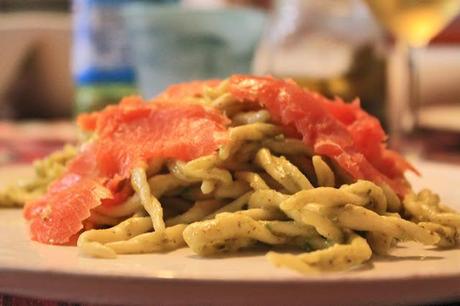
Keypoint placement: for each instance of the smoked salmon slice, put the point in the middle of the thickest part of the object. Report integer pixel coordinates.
(127, 135)
(344, 132)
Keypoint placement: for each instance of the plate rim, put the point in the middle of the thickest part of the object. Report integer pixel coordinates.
(442, 288)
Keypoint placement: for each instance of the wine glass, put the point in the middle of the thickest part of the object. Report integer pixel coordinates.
(413, 23)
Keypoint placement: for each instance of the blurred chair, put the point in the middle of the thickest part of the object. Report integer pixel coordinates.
(35, 78)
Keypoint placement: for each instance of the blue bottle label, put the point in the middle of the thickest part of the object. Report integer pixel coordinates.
(101, 49)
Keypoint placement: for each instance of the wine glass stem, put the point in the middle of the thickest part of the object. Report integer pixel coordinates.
(414, 90)
(406, 105)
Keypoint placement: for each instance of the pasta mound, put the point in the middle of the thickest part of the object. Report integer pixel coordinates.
(264, 188)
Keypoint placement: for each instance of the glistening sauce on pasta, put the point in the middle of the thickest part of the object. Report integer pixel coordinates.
(263, 187)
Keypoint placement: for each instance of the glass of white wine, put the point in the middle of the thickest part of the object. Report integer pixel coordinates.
(413, 23)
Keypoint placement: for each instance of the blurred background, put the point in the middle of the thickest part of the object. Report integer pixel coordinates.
(62, 57)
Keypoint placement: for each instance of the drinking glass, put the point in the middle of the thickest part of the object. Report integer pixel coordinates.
(173, 44)
(413, 23)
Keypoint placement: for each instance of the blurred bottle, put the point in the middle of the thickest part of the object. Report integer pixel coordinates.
(329, 46)
(102, 65)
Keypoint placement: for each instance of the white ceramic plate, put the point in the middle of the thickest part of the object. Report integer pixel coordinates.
(413, 274)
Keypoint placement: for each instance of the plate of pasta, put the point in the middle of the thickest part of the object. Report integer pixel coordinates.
(227, 189)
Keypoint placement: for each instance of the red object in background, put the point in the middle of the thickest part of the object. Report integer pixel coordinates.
(6, 300)
(450, 35)
(26, 142)
(19, 301)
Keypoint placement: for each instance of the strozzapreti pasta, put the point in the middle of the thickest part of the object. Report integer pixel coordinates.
(263, 187)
